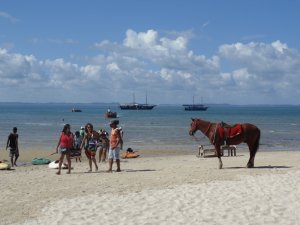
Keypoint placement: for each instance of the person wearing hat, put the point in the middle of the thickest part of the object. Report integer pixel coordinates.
(12, 143)
(115, 143)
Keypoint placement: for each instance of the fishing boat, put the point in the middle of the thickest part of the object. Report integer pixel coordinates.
(137, 106)
(195, 107)
(110, 114)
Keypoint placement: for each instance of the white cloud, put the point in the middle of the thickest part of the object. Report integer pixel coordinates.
(256, 73)
(271, 69)
(8, 16)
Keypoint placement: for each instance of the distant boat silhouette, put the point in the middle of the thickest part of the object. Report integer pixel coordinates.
(76, 110)
(137, 106)
(195, 107)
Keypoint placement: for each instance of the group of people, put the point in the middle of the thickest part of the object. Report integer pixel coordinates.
(89, 140)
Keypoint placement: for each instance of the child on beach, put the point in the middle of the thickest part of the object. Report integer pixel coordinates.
(89, 143)
(115, 143)
(104, 146)
(64, 145)
(12, 143)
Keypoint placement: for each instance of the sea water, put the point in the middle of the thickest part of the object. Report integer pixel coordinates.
(165, 127)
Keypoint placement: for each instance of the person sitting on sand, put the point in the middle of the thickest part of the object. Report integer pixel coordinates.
(104, 146)
(64, 145)
(89, 143)
(115, 142)
(12, 143)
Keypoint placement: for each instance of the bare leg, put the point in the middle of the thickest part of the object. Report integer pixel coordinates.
(12, 161)
(90, 164)
(69, 163)
(95, 163)
(104, 155)
(100, 154)
(110, 163)
(16, 158)
(118, 165)
(61, 159)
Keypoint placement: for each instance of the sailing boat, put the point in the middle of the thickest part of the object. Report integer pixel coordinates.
(195, 107)
(137, 106)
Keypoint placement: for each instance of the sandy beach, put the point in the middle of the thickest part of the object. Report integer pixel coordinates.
(175, 189)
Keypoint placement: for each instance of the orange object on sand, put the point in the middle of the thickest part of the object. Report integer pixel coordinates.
(128, 155)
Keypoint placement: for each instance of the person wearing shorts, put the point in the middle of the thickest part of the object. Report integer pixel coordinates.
(115, 143)
(64, 146)
(12, 144)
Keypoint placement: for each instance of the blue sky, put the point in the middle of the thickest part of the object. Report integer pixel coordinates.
(236, 52)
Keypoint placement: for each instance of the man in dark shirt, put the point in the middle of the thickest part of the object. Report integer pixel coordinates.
(12, 143)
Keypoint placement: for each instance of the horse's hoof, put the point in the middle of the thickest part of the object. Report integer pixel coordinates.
(250, 165)
(220, 166)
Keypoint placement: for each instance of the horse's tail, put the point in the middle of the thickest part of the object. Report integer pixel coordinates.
(256, 143)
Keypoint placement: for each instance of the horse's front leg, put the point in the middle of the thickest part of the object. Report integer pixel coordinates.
(219, 154)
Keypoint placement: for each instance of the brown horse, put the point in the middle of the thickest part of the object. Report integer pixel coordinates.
(218, 133)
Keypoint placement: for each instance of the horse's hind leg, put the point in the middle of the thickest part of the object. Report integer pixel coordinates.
(253, 147)
(252, 150)
(250, 163)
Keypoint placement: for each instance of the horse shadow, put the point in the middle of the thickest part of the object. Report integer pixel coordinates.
(260, 167)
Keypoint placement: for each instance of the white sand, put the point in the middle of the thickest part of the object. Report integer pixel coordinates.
(160, 190)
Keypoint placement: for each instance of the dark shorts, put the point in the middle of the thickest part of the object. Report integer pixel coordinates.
(65, 150)
(75, 152)
(13, 152)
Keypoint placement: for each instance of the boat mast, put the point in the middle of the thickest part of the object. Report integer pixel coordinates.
(133, 98)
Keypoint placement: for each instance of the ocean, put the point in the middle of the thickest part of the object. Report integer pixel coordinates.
(163, 128)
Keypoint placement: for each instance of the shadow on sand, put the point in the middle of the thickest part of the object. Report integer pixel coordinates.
(260, 167)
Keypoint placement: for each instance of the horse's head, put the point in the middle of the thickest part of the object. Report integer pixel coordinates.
(194, 127)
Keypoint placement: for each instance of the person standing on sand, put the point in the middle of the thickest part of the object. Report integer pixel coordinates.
(115, 142)
(12, 143)
(65, 144)
(89, 142)
(104, 146)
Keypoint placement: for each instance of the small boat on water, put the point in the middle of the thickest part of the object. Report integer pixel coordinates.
(137, 106)
(110, 114)
(195, 107)
(76, 110)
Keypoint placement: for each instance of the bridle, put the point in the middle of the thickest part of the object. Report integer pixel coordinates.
(208, 127)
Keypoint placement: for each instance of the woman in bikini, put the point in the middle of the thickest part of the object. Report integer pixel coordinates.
(89, 142)
(64, 145)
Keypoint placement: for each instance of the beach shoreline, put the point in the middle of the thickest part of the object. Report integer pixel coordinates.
(36, 195)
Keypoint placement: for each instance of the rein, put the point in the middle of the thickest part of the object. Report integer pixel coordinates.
(207, 129)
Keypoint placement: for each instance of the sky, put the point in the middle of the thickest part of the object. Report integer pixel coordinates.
(234, 52)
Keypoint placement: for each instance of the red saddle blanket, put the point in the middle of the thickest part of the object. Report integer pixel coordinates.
(230, 132)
